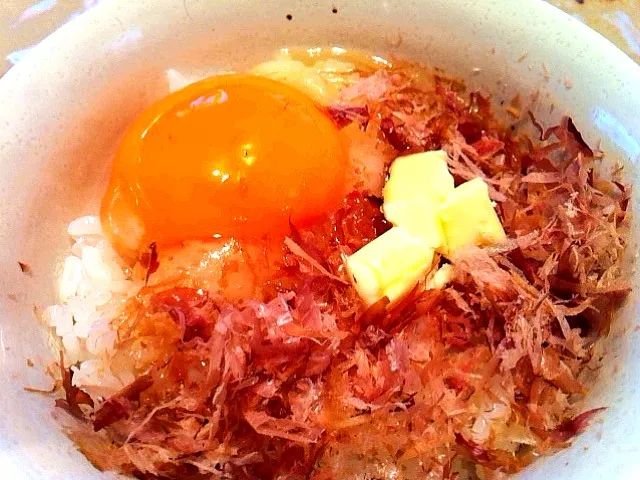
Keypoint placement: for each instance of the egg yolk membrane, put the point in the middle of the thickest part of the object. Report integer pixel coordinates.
(233, 156)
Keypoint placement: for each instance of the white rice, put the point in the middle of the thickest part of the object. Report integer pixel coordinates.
(92, 289)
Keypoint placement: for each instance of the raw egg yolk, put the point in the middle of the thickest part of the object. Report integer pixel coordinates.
(233, 156)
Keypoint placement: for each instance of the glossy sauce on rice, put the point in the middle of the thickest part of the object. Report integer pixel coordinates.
(223, 360)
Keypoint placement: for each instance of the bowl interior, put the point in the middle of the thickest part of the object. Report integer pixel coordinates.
(66, 105)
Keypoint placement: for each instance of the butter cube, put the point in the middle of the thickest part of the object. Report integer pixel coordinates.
(391, 266)
(440, 278)
(422, 176)
(419, 217)
(468, 217)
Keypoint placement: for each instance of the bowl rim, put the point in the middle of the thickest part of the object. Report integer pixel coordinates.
(109, 9)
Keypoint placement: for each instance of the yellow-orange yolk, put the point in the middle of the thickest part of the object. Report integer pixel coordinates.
(233, 155)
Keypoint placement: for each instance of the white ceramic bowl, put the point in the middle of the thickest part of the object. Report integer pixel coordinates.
(63, 108)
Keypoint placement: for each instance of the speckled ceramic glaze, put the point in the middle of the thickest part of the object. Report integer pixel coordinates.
(64, 106)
